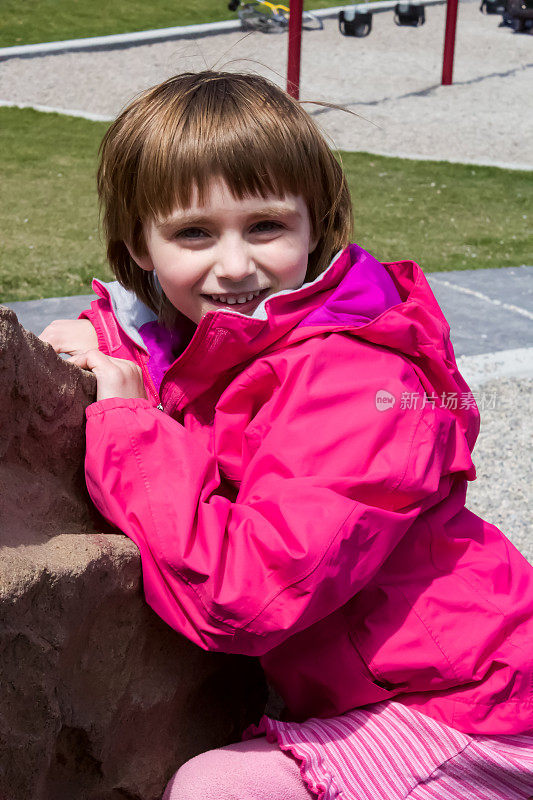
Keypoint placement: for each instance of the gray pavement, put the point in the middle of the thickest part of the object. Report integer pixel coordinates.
(489, 310)
(35, 315)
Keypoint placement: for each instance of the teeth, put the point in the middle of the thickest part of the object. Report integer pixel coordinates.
(242, 298)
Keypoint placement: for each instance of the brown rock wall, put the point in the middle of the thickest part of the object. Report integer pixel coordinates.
(99, 700)
(42, 405)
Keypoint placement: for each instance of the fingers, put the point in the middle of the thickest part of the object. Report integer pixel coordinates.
(52, 334)
(72, 336)
(89, 360)
(115, 377)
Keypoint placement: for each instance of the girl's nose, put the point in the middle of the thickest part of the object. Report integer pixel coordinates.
(234, 262)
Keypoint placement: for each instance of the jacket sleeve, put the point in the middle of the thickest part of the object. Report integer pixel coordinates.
(330, 485)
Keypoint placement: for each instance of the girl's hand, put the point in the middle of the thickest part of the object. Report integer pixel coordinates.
(72, 336)
(115, 377)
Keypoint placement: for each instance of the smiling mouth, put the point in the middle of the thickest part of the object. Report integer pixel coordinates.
(238, 300)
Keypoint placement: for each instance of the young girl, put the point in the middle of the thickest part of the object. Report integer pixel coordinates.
(282, 430)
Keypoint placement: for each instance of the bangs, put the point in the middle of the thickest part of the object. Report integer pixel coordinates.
(252, 140)
(173, 140)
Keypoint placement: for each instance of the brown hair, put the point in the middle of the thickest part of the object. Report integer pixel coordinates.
(195, 126)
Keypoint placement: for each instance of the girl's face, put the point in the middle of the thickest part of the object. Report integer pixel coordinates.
(228, 253)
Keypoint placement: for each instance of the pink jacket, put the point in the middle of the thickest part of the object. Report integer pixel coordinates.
(301, 498)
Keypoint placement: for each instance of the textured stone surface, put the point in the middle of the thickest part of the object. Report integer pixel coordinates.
(99, 699)
(42, 403)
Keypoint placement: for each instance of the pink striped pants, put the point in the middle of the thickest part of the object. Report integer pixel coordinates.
(384, 752)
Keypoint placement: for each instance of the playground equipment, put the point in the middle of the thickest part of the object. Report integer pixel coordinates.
(353, 22)
(492, 6)
(357, 20)
(411, 14)
(261, 15)
(520, 14)
(449, 42)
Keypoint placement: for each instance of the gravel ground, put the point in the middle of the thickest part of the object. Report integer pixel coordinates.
(503, 454)
(391, 78)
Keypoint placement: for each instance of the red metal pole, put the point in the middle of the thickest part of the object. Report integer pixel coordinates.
(295, 47)
(449, 42)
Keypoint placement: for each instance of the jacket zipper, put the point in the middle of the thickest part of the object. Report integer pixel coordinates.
(147, 378)
(199, 336)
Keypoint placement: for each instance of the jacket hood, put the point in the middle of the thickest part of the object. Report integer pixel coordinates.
(390, 305)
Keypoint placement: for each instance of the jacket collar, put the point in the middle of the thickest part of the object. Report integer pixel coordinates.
(389, 304)
(352, 291)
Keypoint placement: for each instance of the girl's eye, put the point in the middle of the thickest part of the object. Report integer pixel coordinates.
(191, 233)
(267, 226)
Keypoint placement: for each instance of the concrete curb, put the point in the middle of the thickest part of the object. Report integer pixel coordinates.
(67, 112)
(484, 162)
(165, 34)
(486, 367)
(119, 40)
(481, 296)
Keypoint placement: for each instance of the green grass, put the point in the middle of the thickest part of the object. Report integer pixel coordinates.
(444, 216)
(31, 21)
(441, 215)
(50, 244)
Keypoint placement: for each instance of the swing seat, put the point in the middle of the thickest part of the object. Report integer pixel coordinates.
(411, 14)
(355, 23)
(492, 6)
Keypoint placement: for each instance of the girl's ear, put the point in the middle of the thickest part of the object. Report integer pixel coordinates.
(144, 262)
